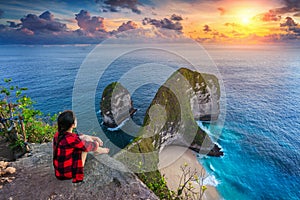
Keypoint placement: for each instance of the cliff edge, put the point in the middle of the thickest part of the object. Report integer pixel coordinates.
(104, 179)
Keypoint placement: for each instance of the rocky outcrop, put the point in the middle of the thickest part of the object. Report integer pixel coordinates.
(104, 179)
(170, 119)
(206, 96)
(116, 105)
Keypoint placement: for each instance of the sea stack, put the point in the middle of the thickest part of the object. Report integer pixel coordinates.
(116, 105)
(170, 120)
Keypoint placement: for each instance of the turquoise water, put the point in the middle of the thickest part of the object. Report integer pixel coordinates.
(261, 133)
(260, 137)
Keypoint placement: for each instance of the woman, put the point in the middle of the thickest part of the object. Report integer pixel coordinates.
(70, 149)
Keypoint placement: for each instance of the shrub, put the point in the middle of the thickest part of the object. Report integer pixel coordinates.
(13, 103)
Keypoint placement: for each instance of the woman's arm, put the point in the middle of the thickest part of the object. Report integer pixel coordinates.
(85, 143)
(91, 138)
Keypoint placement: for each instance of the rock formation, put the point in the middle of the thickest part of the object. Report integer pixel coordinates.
(206, 96)
(170, 119)
(116, 105)
(104, 179)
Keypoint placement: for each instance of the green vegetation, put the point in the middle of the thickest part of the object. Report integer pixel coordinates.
(156, 183)
(191, 185)
(33, 124)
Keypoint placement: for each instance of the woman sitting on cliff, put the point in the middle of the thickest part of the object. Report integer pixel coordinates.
(70, 149)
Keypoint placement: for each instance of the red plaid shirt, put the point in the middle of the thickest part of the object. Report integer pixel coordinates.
(67, 158)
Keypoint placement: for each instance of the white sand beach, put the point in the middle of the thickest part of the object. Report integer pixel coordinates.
(171, 160)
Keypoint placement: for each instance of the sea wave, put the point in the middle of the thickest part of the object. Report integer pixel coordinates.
(211, 167)
(118, 127)
(210, 180)
(200, 124)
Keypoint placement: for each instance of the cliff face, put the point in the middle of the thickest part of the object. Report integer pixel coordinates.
(205, 96)
(116, 105)
(185, 97)
(170, 119)
(104, 179)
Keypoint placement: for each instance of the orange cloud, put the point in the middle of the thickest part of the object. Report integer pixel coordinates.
(222, 11)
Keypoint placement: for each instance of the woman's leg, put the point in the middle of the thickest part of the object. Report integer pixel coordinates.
(83, 157)
(84, 154)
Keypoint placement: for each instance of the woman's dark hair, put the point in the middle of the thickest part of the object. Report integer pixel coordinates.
(64, 121)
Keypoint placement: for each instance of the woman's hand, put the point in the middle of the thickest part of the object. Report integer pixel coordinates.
(97, 140)
(102, 150)
(91, 138)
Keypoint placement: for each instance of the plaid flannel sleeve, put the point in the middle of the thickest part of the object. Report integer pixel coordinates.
(85, 145)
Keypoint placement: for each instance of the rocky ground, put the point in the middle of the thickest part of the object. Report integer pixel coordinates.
(6, 173)
(105, 178)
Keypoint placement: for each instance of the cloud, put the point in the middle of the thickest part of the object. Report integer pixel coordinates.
(13, 24)
(206, 28)
(47, 16)
(43, 23)
(292, 26)
(231, 24)
(296, 30)
(290, 6)
(150, 35)
(27, 31)
(116, 5)
(45, 29)
(127, 26)
(297, 14)
(290, 22)
(268, 16)
(164, 23)
(88, 23)
(249, 39)
(175, 17)
(222, 11)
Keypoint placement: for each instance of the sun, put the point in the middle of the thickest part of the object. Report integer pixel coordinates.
(244, 17)
(245, 20)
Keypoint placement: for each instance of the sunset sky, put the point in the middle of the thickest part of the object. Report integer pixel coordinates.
(91, 21)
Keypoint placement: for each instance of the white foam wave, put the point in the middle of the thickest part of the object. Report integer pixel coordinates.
(118, 127)
(200, 124)
(211, 181)
(211, 167)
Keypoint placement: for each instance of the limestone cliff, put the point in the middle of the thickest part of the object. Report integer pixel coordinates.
(205, 97)
(116, 105)
(104, 179)
(170, 119)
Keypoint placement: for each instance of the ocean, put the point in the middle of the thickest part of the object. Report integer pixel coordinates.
(260, 134)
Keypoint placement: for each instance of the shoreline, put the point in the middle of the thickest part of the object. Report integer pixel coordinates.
(170, 161)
